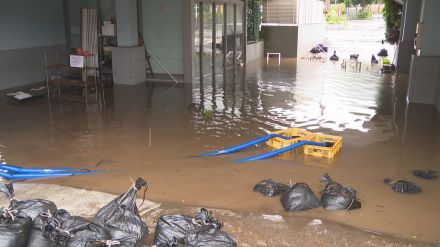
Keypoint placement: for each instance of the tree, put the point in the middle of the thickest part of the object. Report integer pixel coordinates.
(362, 3)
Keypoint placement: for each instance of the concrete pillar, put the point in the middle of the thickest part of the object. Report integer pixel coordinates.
(424, 78)
(410, 17)
(128, 59)
(126, 22)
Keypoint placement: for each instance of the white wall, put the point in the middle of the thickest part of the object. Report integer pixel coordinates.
(28, 29)
(163, 33)
(431, 32)
(309, 35)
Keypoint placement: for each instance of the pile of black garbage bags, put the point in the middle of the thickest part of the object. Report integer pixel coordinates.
(299, 196)
(38, 223)
(203, 230)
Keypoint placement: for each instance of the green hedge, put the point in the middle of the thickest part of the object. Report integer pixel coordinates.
(254, 20)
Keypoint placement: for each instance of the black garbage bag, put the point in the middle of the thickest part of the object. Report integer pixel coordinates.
(34, 207)
(428, 174)
(121, 218)
(8, 190)
(47, 229)
(172, 229)
(268, 187)
(209, 236)
(89, 235)
(299, 197)
(337, 197)
(14, 228)
(201, 231)
(36, 237)
(383, 53)
(403, 186)
(323, 47)
(334, 57)
(31, 208)
(315, 50)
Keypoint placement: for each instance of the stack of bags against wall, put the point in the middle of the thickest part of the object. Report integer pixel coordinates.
(38, 223)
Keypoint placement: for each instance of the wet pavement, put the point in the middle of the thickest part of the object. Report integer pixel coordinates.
(153, 131)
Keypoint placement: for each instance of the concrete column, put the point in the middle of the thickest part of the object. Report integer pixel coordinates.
(410, 17)
(126, 22)
(129, 62)
(424, 78)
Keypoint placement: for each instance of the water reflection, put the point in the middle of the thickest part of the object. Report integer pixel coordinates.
(292, 96)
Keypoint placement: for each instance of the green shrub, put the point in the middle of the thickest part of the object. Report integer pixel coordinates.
(364, 14)
(208, 115)
(333, 18)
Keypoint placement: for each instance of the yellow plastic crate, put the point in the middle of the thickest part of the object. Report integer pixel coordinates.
(327, 152)
(299, 134)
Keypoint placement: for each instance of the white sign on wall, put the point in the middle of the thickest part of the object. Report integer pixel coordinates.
(76, 61)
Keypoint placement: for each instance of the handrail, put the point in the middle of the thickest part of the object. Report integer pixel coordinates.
(157, 61)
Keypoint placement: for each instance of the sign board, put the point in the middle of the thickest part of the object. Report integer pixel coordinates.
(76, 61)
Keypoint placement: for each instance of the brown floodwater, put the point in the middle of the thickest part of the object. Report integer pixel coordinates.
(154, 130)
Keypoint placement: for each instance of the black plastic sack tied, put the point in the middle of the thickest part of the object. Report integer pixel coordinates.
(337, 197)
(203, 230)
(299, 197)
(428, 174)
(8, 190)
(9, 213)
(108, 243)
(14, 228)
(52, 228)
(205, 218)
(403, 186)
(121, 218)
(269, 187)
(46, 231)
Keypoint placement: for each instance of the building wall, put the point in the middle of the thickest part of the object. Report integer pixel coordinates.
(281, 39)
(163, 33)
(430, 18)
(309, 35)
(28, 29)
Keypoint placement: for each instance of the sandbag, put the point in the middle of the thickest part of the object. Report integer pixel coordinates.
(8, 190)
(428, 174)
(36, 238)
(121, 218)
(210, 237)
(34, 207)
(337, 197)
(299, 197)
(14, 228)
(268, 187)
(90, 235)
(31, 208)
(403, 186)
(47, 230)
(174, 230)
(171, 229)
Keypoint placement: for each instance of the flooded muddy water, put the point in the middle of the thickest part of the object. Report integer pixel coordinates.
(153, 131)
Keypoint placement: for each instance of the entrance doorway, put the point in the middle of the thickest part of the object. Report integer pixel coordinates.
(218, 47)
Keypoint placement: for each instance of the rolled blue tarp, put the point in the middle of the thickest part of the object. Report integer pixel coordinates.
(244, 145)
